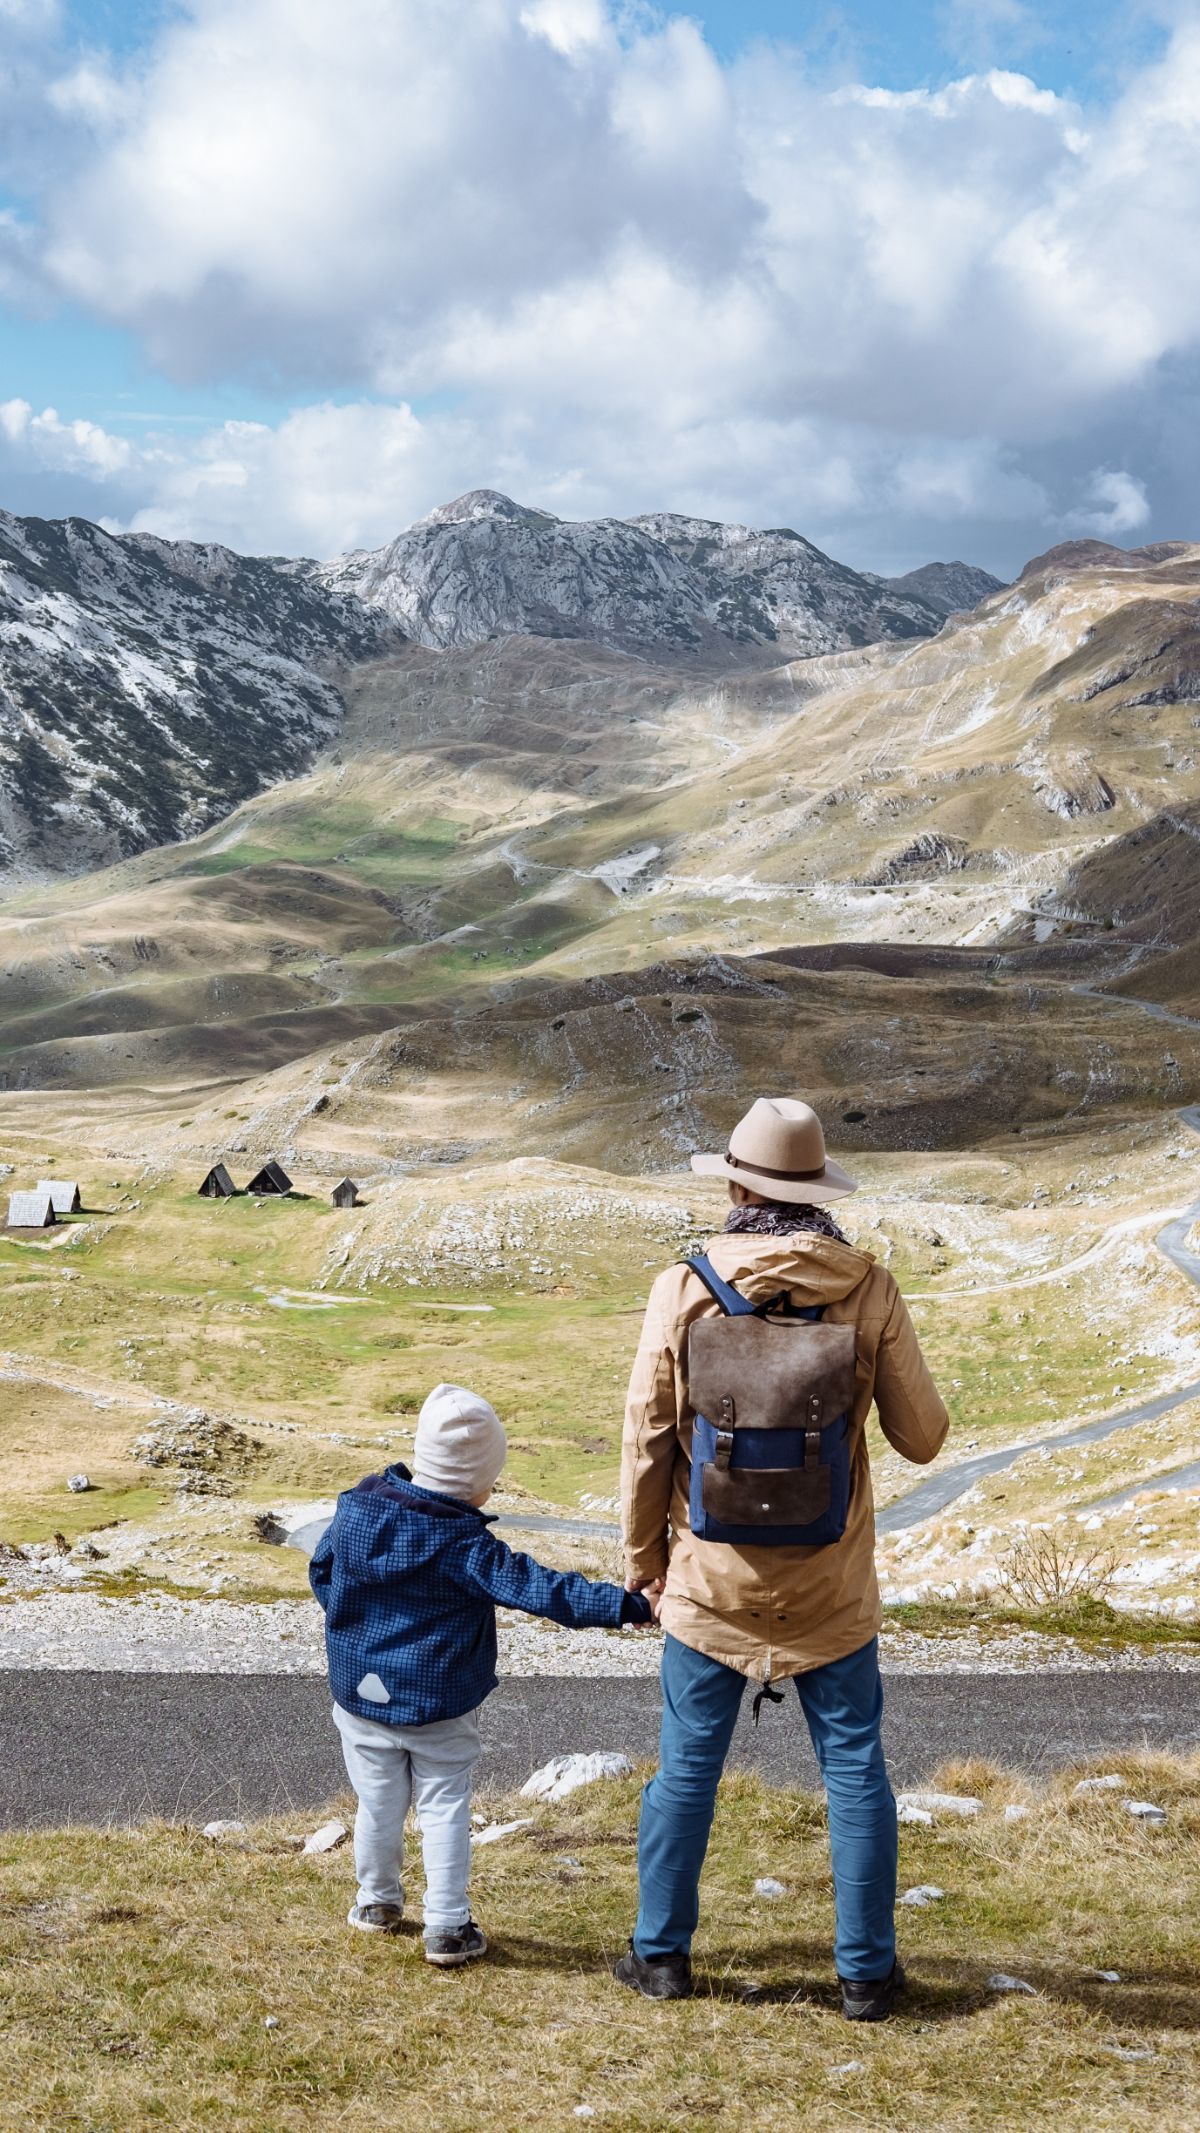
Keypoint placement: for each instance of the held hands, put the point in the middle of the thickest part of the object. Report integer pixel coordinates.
(652, 1589)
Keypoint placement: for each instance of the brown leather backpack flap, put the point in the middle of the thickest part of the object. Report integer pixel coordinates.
(770, 1373)
(766, 1496)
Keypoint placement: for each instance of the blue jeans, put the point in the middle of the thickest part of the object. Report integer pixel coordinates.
(843, 1703)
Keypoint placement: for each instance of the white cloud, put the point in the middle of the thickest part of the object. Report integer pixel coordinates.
(73, 447)
(1113, 503)
(569, 25)
(599, 264)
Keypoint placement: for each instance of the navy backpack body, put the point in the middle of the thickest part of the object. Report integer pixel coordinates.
(772, 1388)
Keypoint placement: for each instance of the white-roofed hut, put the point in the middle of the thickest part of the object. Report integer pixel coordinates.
(31, 1210)
(65, 1196)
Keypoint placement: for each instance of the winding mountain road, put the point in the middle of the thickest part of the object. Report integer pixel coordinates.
(944, 1487)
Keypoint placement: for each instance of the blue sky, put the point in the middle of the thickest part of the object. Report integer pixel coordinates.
(1071, 46)
(1068, 45)
(287, 273)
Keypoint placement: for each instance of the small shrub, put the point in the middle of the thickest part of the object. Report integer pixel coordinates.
(1057, 1568)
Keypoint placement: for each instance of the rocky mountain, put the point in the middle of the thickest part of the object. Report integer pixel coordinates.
(148, 686)
(953, 588)
(484, 566)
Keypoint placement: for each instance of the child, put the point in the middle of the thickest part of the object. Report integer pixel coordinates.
(409, 1576)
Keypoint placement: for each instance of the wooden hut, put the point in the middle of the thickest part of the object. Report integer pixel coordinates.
(272, 1178)
(218, 1185)
(345, 1194)
(65, 1196)
(31, 1210)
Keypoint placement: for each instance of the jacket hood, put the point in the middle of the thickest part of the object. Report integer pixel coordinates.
(389, 1515)
(819, 1268)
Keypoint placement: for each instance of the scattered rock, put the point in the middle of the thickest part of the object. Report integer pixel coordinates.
(905, 1813)
(1016, 1811)
(1102, 1977)
(10, 1553)
(1126, 2051)
(769, 1890)
(1145, 1811)
(584, 2110)
(270, 2021)
(564, 1774)
(919, 1898)
(848, 2066)
(90, 1552)
(961, 1804)
(78, 1484)
(223, 1830)
(495, 1831)
(1000, 1981)
(327, 1838)
(211, 1456)
(1111, 1782)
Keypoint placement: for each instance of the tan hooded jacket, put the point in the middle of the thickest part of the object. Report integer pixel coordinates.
(770, 1611)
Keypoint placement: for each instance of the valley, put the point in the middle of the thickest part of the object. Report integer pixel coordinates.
(530, 921)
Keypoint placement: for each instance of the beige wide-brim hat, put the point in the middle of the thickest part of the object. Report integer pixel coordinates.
(778, 1150)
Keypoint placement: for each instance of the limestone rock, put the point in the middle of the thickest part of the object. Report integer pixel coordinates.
(327, 1838)
(564, 1774)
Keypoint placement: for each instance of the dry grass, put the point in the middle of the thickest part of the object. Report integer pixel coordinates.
(141, 1967)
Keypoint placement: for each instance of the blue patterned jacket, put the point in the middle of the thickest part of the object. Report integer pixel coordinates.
(410, 1582)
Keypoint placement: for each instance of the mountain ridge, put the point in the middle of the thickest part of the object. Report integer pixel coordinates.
(662, 582)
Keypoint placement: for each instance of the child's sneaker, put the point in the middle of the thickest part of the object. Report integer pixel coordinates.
(375, 1917)
(448, 1950)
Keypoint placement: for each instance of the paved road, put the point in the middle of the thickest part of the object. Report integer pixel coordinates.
(124, 1747)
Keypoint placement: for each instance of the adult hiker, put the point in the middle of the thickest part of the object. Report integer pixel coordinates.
(746, 1485)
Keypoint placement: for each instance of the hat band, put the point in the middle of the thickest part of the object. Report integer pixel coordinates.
(760, 1170)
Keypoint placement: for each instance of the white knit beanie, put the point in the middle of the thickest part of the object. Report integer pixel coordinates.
(460, 1445)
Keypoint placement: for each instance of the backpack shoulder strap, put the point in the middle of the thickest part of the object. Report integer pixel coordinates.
(735, 1305)
(731, 1300)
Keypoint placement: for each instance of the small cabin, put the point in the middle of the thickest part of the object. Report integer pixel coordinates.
(31, 1210)
(345, 1194)
(272, 1178)
(218, 1185)
(65, 1196)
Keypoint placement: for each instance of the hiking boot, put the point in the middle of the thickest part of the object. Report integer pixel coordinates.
(871, 1999)
(447, 1950)
(656, 1977)
(376, 1917)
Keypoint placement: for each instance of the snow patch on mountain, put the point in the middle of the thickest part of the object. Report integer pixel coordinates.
(147, 687)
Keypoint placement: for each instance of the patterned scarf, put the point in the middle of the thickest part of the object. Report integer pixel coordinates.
(775, 1219)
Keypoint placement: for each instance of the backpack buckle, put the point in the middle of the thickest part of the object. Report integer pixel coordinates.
(724, 1451)
(812, 1448)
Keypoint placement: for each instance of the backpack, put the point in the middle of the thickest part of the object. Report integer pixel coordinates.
(772, 1390)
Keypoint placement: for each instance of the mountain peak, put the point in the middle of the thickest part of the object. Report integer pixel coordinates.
(680, 587)
(486, 503)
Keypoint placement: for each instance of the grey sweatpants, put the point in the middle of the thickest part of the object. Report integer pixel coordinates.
(393, 1767)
